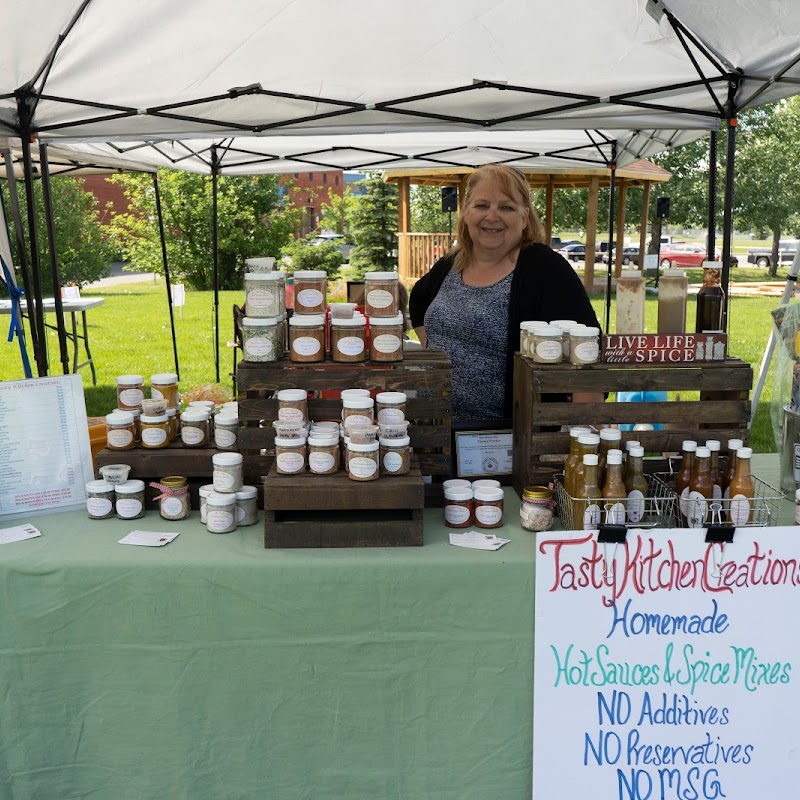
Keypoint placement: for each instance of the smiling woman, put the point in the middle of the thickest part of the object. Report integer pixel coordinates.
(501, 273)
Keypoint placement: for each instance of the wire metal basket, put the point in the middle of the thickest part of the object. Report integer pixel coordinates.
(657, 510)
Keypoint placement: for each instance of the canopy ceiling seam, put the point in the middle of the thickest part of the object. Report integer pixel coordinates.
(680, 29)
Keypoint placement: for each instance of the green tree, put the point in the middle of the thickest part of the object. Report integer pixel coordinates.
(335, 216)
(82, 250)
(373, 224)
(304, 255)
(426, 211)
(252, 221)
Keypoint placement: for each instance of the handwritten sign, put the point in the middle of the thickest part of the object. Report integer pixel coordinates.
(666, 668)
(664, 348)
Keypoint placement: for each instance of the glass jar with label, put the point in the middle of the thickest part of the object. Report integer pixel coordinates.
(204, 491)
(155, 431)
(119, 430)
(227, 472)
(323, 454)
(290, 456)
(391, 406)
(194, 427)
(173, 497)
(395, 456)
(164, 386)
(264, 294)
(226, 431)
(246, 506)
(584, 345)
(565, 326)
(137, 422)
(307, 338)
(130, 391)
(221, 512)
(381, 294)
(309, 292)
(129, 503)
(536, 510)
(293, 405)
(100, 499)
(630, 301)
(172, 424)
(262, 339)
(349, 339)
(546, 344)
(488, 507)
(458, 506)
(386, 338)
(362, 461)
(358, 412)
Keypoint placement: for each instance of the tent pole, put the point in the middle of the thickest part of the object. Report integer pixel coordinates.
(51, 246)
(611, 254)
(19, 235)
(711, 241)
(215, 250)
(164, 261)
(727, 218)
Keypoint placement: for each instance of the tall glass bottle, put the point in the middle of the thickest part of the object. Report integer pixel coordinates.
(610, 439)
(673, 287)
(701, 490)
(572, 457)
(585, 507)
(684, 475)
(628, 445)
(716, 475)
(742, 489)
(734, 445)
(614, 493)
(710, 299)
(635, 485)
(630, 301)
(587, 444)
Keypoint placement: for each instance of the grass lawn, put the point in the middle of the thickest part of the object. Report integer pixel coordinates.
(130, 333)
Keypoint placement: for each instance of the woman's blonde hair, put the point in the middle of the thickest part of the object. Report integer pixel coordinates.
(512, 183)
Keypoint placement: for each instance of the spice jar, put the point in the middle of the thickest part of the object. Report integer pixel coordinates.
(485, 483)
(164, 386)
(204, 492)
(220, 512)
(155, 431)
(226, 431)
(391, 407)
(173, 500)
(227, 472)
(119, 430)
(546, 344)
(630, 301)
(381, 294)
(309, 292)
(386, 338)
(293, 405)
(137, 421)
(357, 412)
(536, 510)
(264, 294)
(307, 338)
(395, 456)
(458, 506)
(323, 454)
(349, 339)
(290, 456)
(130, 391)
(194, 428)
(346, 394)
(129, 503)
(362, 461)
(262, 339)
(565, 326)
(584, 345)
(246, 506)
(100, 499)
(456, 483)
(488, 507)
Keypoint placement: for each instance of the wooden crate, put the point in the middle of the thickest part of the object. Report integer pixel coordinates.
(334, 511)
(424, 375)
(721, 413)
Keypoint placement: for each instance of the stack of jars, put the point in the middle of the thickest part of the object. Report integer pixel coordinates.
(264, 331)
(478, 503)
(561, 340)
(227, 503)
(150, 422)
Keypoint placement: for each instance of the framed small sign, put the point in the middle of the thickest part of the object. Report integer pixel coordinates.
(484, 453)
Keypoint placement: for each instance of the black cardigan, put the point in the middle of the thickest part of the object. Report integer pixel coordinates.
(544, 287)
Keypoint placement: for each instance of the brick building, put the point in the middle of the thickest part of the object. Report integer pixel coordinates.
(106, 193)
(311, 191)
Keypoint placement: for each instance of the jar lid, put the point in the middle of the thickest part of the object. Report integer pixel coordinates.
(380, 276)
(404, 441)
(588, 438)
(563, 323)
(147, 420)
(358, 402)
(209, 404)
(119, 418)
(458, 493)
(134, 412)
(614, 457)
(175, 481)
(226, 418)
(221, 499)
(227, 459)
(630, 273)
(610, 434)
(485, 483)
(690, 445)
(363, 448)
(99, 486)
(246, 493)
(391, 397)
(194, 415)
(549, 331)
(452, 483)
(348, 393)
(171, 412)
(329, 424)
(673, 273)
(129, 380)
(129, 487)
(744, 452)
(163, 377)
(264, 276)
(703, 452)
(386, 321)
(300, 441)
(260, 322)
(536, 493)
(584, 333)
(323, 440)
(306, 321)
(292, 395)
(734, 444)
(206, 489)
(488, 494)
(634, 443)
(311, 274)
(591, 459)
(348, 322)
(712, 445)
(578, 430)
(638, 451)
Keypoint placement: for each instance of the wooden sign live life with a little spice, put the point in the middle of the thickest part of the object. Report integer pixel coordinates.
(664, 348)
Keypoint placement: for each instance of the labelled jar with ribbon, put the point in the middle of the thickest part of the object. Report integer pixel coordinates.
(173, 497)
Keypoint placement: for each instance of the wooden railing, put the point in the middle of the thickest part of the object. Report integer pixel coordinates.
(416, 253)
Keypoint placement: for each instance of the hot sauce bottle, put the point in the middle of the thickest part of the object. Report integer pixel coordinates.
(701, 489)
(742, 489)
(614, 493)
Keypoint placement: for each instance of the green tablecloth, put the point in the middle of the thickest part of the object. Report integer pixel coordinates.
(213, 668)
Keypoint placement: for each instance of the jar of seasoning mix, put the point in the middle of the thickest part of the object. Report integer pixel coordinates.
(362, 461)
(173, 497)
(546, 345)
(129, 502)
(386, 338)
(357, 411)
(262, 339)
(204, 491)
(164, 386)
(488, 507)
(226, 431)
(293, 405)
(137, 421)
(227, 474)
(246, 506)
(584, 345)
(349, 339)
(536, 510)
(391, 406)
(458, 506)
(155, 432)
(194, 428)
(323, 454)
(307, 338)
(264, 294)
(130, 391)
(119, 430)
(290, 456)
(395, 456)
(309, 292)
(221, 512)
(381, 294)
(100, 499)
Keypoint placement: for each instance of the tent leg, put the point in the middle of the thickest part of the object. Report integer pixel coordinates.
(51, 246)
(711, 242)
(727, 218)
(611, 254)
(215, 249)
(166, 272)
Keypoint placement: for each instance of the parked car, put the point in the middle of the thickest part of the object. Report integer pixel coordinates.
(337, 239)
(762, 256)
(684, 254)
(629, 254)
(573, 252)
